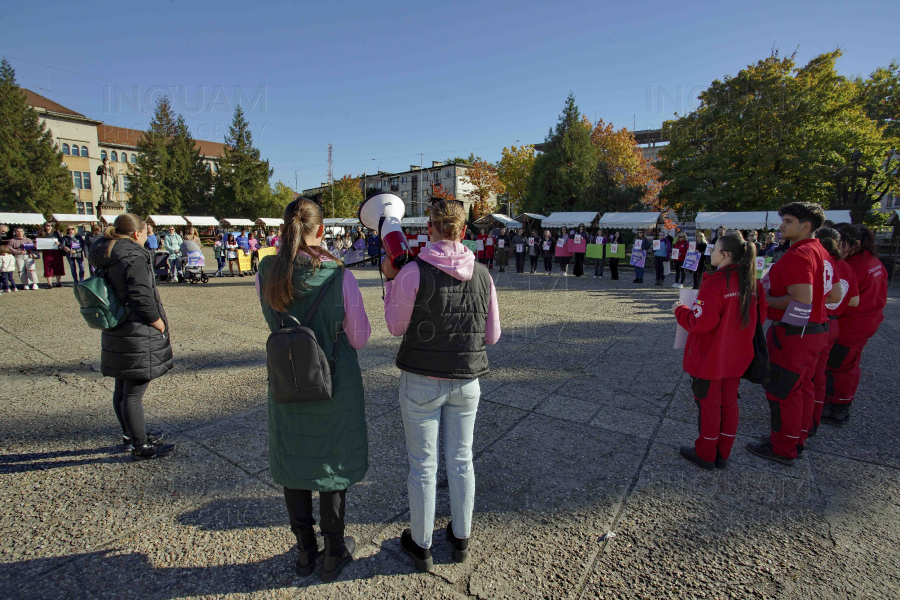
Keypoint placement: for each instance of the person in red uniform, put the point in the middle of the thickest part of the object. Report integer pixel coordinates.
(858, 324)
(487, 257)
(721, 324)
(845, 281)
(802, 276)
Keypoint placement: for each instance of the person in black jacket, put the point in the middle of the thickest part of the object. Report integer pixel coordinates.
(700, 238)
(138, 350)
(89, 240)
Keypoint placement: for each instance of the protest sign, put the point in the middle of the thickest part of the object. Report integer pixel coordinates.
(686, 297)
(471, 245)
(656, 245)
(615, 250)
(691, 261)
(479, 245)
(692, 246)
(675, 253)
(579, 244)
(638, 258)
(594, 251)
(47, 243)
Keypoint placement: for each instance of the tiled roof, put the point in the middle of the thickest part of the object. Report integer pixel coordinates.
(39, 101)
(208, 148)
(123, 136)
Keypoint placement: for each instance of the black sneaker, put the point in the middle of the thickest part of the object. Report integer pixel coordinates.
(421, 556)
(812, 431)
(836, 414)
(460, 546)
(801, 448)
(307, 559)
(149, 451)
(337, 557)
(764, 450)
(152, 438)
(688, 453)
(721, 463)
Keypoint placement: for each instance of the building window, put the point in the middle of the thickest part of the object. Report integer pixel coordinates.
(85, 208)
(65, 149)
(405, 193)
(86, 180)
(132, 157)
(447, 174)
(76, 176)
(83, 151)
(103, 155)
(126, 183)
(114, 157)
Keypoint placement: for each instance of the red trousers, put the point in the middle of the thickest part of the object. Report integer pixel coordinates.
(718, 420)
(843, 372)
(790, 393)
(821, 376)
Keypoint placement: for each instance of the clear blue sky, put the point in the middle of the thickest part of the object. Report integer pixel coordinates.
(390, 80)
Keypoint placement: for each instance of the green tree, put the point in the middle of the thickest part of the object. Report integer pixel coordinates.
(514, 171)
(190, 180)
(774, 133)
(32, 178)
(346, 200)
(459, 160)
(242, 182)
(278, 198)
(562, 174)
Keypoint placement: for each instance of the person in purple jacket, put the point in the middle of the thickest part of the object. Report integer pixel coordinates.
(445, 306)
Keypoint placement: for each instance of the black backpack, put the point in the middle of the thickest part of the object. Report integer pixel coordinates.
(298, 369)
(759, 371)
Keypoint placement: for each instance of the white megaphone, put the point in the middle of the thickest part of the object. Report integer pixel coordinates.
(382, 213)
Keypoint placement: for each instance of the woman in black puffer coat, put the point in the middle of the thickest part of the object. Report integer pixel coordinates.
(138, 350)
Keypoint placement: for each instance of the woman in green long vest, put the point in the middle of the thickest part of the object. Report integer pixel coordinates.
(318, 445)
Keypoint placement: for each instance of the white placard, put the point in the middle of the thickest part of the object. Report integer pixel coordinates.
(501, 243)
(709, 249)
(560, 243)
(423, 239)
(686, 297)
(656, 244)
(613, 248)
(692, 246)
(531, 241)
(577, 238)
(479, 245)
(520, 247)
(638, 244)
(546, 245)
(489, 241)
(760, 263)
(46, 244)
(675, 253)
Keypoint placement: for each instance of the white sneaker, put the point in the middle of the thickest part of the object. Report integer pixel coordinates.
(34, 286)
(680, 286)
(674, 285)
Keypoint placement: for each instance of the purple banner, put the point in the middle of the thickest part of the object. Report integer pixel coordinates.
(691, 261)
(638, 258)
(797, 314)
(28, 246)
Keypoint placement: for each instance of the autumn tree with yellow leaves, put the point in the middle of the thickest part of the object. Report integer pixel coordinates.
(483, 177)
(513, 170)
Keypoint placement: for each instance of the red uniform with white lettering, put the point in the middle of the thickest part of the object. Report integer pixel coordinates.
(794, 351)
(718, 351)
(845, 278)
(858, 324)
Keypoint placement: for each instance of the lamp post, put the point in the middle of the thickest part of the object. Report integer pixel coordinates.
(365, 187)
(852, 184)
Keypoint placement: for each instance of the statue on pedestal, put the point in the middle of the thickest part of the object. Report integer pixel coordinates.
(108, 183)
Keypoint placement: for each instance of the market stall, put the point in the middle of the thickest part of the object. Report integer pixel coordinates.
(161, 221)
(497, 220)
(735, 220)
(570, 219)
(630, 220)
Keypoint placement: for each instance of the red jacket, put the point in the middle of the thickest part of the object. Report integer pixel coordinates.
(845, 279)
(488, 250)
(718, 345)
(859, 323)
(682, 250)
(805, 262)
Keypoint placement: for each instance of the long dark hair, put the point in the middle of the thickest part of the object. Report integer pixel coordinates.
(743, 254)
(859, 237)
(831, 241)
(302, 218)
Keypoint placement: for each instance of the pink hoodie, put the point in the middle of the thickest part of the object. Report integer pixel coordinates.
(450, 257)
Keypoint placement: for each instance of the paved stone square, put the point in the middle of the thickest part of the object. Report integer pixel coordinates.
(577, 435)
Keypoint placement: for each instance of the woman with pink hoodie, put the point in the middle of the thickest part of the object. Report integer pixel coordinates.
(445, 306)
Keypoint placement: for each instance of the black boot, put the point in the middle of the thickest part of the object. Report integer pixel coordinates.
(460, 546)
(152, 438)
(721, 463)
(689, 454)
(337, 556)
(836, 414)
(149, 451)
(310, 548)
(764, 450)
(421, 556)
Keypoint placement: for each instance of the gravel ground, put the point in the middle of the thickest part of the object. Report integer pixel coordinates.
(577, 435)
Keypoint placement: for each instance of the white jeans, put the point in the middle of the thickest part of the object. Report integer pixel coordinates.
(426, 404)
(25, 267)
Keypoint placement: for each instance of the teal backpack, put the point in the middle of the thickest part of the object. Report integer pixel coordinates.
(100, 307)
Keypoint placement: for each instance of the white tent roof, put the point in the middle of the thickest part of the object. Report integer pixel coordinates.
(332, 221)
(236, 222)
(629, 220)
(531, 216)
(504, 220)
(349, 222)
(733, 220)
(66, 218)
(569, 219)
(202, 221)
(269, 222)
(22, 218)
(415, 221)
(166, 220)
(836, 216)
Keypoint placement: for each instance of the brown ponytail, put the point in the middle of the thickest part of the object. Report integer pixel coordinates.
(743, 254)
(122, 229)
(831, 241)
(302, 218)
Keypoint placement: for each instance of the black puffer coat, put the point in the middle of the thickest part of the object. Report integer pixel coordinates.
(134, 350)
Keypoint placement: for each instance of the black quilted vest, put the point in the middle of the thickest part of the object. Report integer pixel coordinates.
(445, 337)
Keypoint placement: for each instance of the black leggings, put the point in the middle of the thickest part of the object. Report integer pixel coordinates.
(548, 263)
(614, 267)
(534, 262)
(129, 406)
(332, 506)
(660, 269)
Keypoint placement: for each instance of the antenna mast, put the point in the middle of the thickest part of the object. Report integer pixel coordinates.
(331, 180)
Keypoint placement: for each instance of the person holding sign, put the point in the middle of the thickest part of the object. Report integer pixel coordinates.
(662, 249)
(641, 243)
(600, 240)
(518, 246)
(54, 267)
(857, 324)
(702, 247)
(72, 245)
(501, 252)
(534, 250)
(798, 285)
(845, 280)
(615, 241)
(580, 237)
(721, 324)
(487, 255)
(679, 251)
(23, 249)
(548, 250)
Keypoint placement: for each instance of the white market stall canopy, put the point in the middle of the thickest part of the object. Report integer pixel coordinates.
(504, 220)
(629, 220)
(22, 218)
(265, 222)
(65, 218)
(414, 221)
(236, 222)
(569, 219)
(166, 220)
(349, 223)
(534, 216)
(835, 216)
(734, 220)
(331, 221)
(202, 221)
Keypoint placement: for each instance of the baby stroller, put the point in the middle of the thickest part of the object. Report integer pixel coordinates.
(161, 267)
(192, 263)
